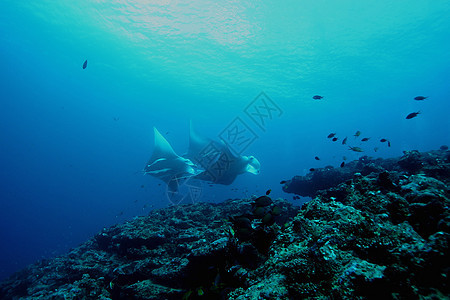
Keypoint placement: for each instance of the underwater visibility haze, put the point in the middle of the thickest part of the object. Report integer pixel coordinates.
(84, 84)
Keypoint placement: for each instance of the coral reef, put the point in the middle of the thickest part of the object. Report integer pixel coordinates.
(383, 232)
(432, 163)
(171, 253)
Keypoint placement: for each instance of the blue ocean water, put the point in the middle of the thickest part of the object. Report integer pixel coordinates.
(74, 141)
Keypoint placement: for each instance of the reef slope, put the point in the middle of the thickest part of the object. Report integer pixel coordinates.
(384, 234)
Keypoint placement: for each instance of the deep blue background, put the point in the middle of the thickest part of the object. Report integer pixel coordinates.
(72, 141)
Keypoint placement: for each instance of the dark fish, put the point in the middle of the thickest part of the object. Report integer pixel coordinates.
(420, 98)
(356, 149)
(268, 219)
(260, 211)
(283, 181)
(375, 149)
(389, 144)
(317, 97)
(276, 210)
(383, 140)
(412, 115)
(241, 222)
(365, 139)
(312, 169)
(334, 139)
(344, 157)
(344, 141)
(342, 164)
(85, 64)
(358, 133)
(142, 186)
(262, 201)
(268, 192)
(444, 147)
(316, 158)
(331, 135)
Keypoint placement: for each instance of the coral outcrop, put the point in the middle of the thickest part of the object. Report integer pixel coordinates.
(432, 163)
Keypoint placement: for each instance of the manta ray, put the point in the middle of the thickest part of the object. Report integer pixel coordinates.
(206, 160)
(220, 165)
(166, 165)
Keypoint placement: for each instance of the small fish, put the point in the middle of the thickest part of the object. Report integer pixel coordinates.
(268, 192)
(85, 64)
(317, 97)
(365, 139)
(383, 140)
(375, 149)
(343, 164)
(412, 115)
(444, 147)
(232, 232)
(316, 158)
(334, 139)
(420, 98)
(356, 149)
(142, 186)
(344, 141)
(344, 157)
(217, 279)
(312, 169)
(358, 133)
(389, 144)
(331, 135)
(283, 181)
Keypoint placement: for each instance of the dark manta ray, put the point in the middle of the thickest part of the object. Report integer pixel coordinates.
(220, 165)
(206, 160)
(166, 165)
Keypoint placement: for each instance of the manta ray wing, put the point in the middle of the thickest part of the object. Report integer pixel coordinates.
(162, 147)
(203, 151)
(166, 165)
